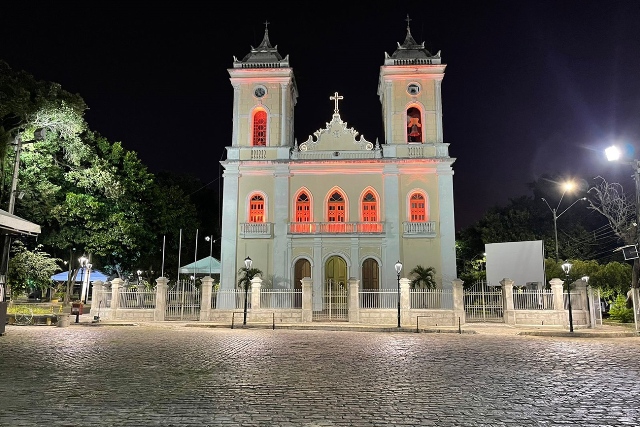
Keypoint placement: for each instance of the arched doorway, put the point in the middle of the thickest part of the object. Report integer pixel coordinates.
(370, 275)
(334, 291)
(301, 270)
(370, 283)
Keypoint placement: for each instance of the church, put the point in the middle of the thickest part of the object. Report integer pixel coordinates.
(336, 206)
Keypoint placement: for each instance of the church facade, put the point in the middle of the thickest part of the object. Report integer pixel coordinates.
(337, 206)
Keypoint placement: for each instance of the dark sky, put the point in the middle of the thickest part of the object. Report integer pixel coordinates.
(530, 88)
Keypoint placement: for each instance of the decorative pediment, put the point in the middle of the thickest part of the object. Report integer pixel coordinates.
(336, 136)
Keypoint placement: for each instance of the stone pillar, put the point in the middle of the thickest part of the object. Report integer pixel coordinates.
(405, 301)
(507, 301)
(162, 284)
(458, 300)
(256, 285)
(579, 293)
(354, 300)
(205, 300)
(97, 298)
(307, 300)
(558, 299)
(115, 296)
(591, 309)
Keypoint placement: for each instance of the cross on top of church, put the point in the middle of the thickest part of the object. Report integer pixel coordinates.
(336, 98)
(266, 24)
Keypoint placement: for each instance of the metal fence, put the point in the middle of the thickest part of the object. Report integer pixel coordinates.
(383, 298)
(483, 303)
(138, 299)
(281, 298)
(533, 300)
(434, 299)
(334, 302)
(183, 301)
(232, 299)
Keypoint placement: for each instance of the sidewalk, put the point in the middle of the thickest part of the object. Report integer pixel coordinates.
(603, 331)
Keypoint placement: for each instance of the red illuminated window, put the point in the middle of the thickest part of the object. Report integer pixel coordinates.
(256, 208)
(417, 208)
(335, 212)
(414, 125)
(260, 128)
(303, 208)
(369, 208)
(369, 214)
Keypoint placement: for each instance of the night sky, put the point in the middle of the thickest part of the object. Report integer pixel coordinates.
(530, 88)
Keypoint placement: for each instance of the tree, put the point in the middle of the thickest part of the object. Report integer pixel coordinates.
(29, 270)
(424, 277)
(619, 209)
(244, 282)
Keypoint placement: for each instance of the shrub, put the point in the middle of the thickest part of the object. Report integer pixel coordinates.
(619, 310)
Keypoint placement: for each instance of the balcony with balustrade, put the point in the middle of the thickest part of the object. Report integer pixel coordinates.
(419, 229)
(336, 228)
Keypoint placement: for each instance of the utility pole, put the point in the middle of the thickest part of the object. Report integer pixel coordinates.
(39, 135)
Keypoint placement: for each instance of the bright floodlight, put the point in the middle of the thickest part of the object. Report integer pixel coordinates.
(612, 153)
(568, 185)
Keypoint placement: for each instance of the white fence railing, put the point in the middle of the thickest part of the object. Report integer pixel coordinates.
(533, 300)
(230, 299)
(281, 298)
(384, 298)
(139, 299)
(434, 299)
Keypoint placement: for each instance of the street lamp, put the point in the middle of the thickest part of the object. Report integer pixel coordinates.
(84, 265)
(567, 186)
(211, 241)
(247, 264)
(567, 268)
(398, 267)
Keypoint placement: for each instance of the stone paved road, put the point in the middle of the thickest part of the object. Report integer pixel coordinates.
(152, 376)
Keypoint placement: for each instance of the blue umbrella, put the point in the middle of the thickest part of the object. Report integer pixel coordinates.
(95, 275)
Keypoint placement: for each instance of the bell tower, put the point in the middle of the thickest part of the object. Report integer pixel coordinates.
(264, 96)
(409, 88)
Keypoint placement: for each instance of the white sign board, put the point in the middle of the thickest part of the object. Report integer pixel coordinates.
(522, 262)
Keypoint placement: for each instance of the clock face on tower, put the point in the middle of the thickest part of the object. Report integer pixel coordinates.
(260, 91)
(413, 89)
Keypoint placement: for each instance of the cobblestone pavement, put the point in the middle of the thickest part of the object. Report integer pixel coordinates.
(178, 376)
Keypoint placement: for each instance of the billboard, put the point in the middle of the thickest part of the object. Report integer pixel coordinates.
(522, 262)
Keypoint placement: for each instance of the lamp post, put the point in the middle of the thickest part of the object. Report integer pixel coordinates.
(567, 268)
(84, 265)
(398, 267)
(567, 186)
(247, 264)
(613, 153)
(211, 241)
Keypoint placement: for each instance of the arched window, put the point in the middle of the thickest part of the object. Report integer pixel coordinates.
(259, 128)
(369, 207)
(335, 208)
(303, 208)
(256, 208)
(414, 125)
(417, 208)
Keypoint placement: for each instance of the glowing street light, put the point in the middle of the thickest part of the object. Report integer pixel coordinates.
(567, 186)
(398, 267)
(613, 154)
